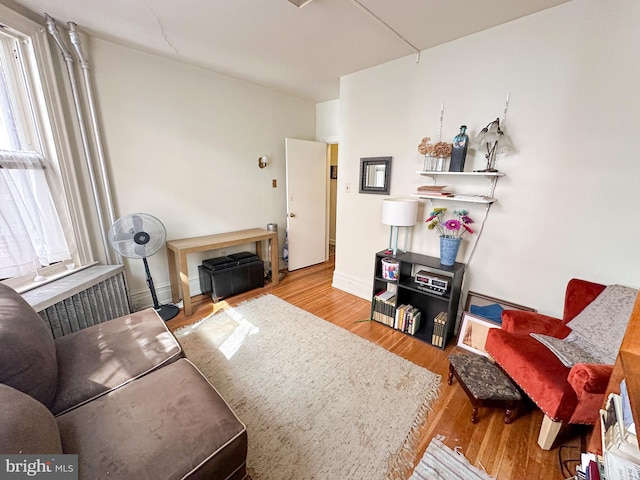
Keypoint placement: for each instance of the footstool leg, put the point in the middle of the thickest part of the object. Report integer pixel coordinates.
(474, 415)
(507, 416)
(450, 379)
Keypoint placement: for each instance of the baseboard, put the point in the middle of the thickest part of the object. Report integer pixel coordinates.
(351, 285)
(141, 299)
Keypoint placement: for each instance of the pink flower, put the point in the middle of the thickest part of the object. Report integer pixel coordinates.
(452, 224)
(454, 227)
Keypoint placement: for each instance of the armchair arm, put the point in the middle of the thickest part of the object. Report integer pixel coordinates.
(589, 378)
(517, 321)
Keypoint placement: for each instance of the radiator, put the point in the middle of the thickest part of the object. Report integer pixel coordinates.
(86, 298)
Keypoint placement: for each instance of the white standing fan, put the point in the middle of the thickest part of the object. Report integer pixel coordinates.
(140, 235)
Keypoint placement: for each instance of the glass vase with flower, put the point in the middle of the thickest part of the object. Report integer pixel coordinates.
(435, 155)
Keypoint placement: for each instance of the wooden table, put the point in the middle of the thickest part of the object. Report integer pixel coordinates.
(177, 251)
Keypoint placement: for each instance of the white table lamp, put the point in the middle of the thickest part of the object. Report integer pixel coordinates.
(398, 212)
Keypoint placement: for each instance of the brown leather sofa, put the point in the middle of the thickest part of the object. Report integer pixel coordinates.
(119, 394)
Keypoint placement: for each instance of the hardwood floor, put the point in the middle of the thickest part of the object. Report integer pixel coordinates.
(506, 452)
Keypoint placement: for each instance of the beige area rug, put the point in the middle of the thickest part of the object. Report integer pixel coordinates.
(318, 401)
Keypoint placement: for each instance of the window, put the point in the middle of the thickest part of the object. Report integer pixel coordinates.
(36, 233)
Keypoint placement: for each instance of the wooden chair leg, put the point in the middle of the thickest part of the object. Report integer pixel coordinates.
(548, 433)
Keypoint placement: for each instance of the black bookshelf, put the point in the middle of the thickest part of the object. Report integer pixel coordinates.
(428, 302)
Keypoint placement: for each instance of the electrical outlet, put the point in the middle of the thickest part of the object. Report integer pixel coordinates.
(347, 188)
(223, 253)
(274, 183)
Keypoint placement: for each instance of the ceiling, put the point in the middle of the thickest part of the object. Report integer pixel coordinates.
(299, 51)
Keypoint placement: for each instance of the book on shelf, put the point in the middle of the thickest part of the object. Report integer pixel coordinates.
(439, 324)
(384, 307)
(430, 188)
(407, 319)
(590, 468)
(441, 193)
(413, 322)
(627, 416)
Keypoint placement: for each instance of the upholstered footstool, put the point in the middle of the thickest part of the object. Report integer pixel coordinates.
(484, 383)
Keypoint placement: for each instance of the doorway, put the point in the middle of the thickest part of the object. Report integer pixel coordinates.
(311, 178)
(333, 196)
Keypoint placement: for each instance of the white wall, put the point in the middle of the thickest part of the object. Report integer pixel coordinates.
(568, 205)
(327, 121)
(183, 145)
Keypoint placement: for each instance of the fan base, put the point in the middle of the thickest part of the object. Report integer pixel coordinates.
(167, 312)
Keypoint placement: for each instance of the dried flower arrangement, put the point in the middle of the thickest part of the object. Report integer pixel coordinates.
(440, 149)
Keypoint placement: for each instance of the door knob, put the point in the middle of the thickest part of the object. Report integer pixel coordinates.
(291, 215)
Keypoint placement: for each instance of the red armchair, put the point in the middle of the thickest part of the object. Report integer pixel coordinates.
(565, 395)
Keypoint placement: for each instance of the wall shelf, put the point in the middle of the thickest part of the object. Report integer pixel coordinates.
(459, 198)
(469, 198)
(431, 173)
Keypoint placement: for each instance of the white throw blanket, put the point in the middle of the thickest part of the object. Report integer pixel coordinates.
(597, 331)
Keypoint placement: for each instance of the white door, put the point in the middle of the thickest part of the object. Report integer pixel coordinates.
(307, 173)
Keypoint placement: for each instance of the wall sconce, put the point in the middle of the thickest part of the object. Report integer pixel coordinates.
(262, 161)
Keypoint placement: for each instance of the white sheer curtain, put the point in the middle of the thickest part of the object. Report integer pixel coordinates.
(31, 235)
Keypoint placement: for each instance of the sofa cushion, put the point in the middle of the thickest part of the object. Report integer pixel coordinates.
(27, 426)
(97, 359)
(27, 351)
(536, 370)
(168, 424)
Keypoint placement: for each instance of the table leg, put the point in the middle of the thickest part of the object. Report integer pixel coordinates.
(275, 260)
(173, 276)
(184, 283)
(450, 379)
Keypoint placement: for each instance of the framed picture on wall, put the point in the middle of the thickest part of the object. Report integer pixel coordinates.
(473, 333)
(334, 172)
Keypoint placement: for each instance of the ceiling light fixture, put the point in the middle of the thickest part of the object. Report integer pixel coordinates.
(299, 3)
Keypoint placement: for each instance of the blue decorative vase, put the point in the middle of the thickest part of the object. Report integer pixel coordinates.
(449, 250)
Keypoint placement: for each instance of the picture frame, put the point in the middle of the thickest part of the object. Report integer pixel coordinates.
(334, 172)
(475, 299)
(473, 333)
(375, 175)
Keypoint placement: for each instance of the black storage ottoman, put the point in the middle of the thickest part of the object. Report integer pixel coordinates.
(236, 273)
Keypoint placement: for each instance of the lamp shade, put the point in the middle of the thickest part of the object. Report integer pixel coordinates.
(399, 212)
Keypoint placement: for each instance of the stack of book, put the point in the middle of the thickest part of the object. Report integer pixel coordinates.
(621, 456)
(384, 307)
(590, 468)
(439, 324)
(434, 191)
(407, 319)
